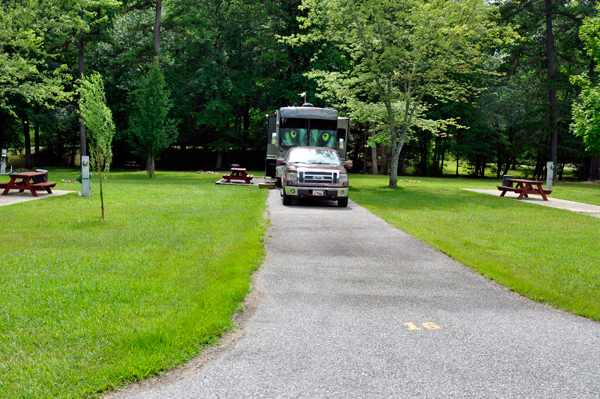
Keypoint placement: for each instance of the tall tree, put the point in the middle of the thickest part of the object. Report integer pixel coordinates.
(586, 111)
(81, 69)
(546, 53)
(404, 50)
(551, 85)
(157, 19)
(150, 131)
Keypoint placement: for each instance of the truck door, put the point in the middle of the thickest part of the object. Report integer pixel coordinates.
(342, 137)
(271, 161)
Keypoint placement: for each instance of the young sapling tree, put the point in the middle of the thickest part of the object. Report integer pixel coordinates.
(100, 125)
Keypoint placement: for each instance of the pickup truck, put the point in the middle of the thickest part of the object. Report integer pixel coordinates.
(314, 173)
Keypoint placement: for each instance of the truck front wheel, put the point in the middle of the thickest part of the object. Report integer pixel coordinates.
(343, 202)
(287, 200)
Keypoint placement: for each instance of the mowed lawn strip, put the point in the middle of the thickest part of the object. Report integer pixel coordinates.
(548, 255)
(87, 305)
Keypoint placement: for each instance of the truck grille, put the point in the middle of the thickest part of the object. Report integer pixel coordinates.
(318, 177)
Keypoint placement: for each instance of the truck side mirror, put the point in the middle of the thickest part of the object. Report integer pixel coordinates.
(348, 164)
(280, 161)
(274, 138)
(341, 144)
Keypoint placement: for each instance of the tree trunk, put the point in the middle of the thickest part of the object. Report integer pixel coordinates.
(150, 166)
(374, 170)
(595, 168)
(402, 170)
(383, 156)
(157, 19)
(509, 161)
(82, 143)
(483, 166)
(101, 195)
(457, 162)
(561, 170)
(219, 165)
(36, 138)
(27, 135)
(424, 152)
(435, 163)
(441, 174)
(539, 165)
(551, 84)
(499, 163)
(73, 154)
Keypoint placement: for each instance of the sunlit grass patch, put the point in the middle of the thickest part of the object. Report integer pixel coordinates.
(87, 304)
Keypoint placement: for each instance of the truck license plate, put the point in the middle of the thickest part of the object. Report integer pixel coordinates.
(318, 193)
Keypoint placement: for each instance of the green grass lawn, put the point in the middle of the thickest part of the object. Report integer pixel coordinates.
(549, 255)
(88, 305)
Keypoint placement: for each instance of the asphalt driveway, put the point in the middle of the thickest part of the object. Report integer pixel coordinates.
(354, 308)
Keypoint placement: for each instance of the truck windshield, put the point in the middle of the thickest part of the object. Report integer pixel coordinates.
(313, 156)
(299, 132)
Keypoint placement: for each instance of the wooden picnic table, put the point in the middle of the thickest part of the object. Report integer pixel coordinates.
(32, 181)
(524, 187)
(238, 174)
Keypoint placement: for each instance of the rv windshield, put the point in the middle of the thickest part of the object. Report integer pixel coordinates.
(300, 132)
(313, 156)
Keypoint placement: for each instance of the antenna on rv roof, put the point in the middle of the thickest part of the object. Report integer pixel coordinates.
(303, 95)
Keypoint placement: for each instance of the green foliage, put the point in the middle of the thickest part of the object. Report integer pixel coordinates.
(401, 51)
(101, 128)
(586, 111)
(525, 84)
(24, 72)
(150, 131)
(81, 315)
(586, 115)
(98, 120)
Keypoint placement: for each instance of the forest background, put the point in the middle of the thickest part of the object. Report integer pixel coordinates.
(224, 64)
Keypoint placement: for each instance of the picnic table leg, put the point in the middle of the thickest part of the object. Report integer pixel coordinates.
(524, 192)
(45, 181)
(527, 190)
(10, 184)
(245, 177)
(541, 191)
(30, 187)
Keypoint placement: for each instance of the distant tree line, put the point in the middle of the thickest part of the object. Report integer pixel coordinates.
(490, 84)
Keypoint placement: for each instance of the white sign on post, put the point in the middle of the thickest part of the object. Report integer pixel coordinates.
(549, 175)
(3, 162)
(85, 176)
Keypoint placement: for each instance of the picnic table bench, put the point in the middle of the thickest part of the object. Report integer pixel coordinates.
(26, 183)
(524, 187)
(238, 174)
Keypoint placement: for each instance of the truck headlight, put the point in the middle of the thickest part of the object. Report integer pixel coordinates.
(292, 177)
(343, 178)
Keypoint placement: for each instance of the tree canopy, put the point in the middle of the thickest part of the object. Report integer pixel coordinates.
(482, 83)
(400, 52)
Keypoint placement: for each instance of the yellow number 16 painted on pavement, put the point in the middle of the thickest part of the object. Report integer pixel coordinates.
(428, 325)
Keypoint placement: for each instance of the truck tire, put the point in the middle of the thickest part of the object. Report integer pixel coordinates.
(343, 202)
(287, 200)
